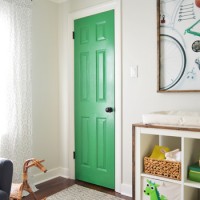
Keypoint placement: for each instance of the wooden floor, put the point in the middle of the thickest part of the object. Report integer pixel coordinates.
(55, 185)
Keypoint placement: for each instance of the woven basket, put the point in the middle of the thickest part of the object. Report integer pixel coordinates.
(164, 168)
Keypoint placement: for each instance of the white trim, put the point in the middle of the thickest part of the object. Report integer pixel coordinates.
(126, 190)
(50, 174)
(116, 6)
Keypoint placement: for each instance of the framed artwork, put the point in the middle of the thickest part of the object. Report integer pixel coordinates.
(178, 45)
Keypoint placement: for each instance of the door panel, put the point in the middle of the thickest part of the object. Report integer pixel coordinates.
(94, 91)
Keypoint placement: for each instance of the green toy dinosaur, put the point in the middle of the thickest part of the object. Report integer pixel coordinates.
(152, 191)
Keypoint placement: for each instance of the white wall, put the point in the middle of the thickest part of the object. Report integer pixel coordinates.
(139, 95)
(139, 47)
(78, 4)
(64, 86)
(45, 84)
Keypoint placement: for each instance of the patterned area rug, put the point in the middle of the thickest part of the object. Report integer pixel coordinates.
(77, 192)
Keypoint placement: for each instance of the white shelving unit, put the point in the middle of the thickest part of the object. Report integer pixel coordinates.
(145, 137)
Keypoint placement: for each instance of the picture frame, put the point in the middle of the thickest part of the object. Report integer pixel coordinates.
(178, 44)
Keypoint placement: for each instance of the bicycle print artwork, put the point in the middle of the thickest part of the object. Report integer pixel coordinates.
(179, 61)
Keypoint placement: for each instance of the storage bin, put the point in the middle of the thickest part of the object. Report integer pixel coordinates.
(164, 168)
(194, 172)
(160, 189)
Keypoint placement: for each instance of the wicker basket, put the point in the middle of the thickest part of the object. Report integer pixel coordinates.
(164, 168)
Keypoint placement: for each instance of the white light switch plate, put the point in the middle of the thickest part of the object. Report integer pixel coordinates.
(134, 71)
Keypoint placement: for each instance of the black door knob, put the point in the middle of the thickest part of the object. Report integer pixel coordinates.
(109, 109)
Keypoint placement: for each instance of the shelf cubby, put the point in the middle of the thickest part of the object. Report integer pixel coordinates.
(184, 138)
(191, 193)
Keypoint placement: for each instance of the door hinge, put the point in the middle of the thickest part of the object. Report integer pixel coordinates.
(74, 155)
(73, 35)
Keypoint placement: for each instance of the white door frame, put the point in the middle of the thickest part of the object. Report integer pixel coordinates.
(110, 5)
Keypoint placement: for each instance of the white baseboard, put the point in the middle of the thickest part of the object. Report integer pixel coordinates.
(50, 174)
(126, 190)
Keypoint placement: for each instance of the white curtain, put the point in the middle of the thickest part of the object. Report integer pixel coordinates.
(15, 83)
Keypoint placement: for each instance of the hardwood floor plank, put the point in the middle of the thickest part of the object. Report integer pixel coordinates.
(55, 185)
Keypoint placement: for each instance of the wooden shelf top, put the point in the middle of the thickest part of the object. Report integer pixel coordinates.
(169, 127)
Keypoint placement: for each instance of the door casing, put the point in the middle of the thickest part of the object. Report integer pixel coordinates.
(110, 5)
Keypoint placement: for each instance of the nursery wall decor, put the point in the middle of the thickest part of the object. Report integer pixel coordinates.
(178, 45)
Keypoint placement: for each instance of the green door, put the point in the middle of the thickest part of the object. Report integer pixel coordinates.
(94, 99)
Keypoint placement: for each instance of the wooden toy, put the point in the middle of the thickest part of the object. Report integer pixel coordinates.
(17, 189)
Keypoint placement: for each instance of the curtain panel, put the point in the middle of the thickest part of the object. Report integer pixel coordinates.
(15, 83)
